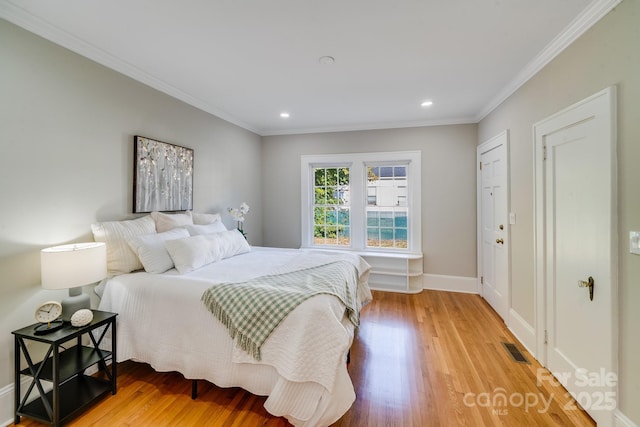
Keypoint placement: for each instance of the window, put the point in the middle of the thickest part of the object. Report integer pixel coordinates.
(387, 207)
(363, 202)
(331, 206)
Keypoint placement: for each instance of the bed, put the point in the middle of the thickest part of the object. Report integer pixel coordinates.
(301, 367)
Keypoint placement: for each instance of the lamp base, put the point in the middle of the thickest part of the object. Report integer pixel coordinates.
(74, 302)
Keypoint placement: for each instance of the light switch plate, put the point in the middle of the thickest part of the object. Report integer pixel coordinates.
(512, 218)
(634, 242)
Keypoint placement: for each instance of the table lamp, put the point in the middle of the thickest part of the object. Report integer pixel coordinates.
(71, 267)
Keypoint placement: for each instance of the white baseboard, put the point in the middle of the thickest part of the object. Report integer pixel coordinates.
(621, 420)
(440, 282)
(7, 400)
(6, 405)
(524, 332)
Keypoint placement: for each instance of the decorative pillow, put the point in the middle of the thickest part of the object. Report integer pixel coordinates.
(196, 230)
(227, 244)
(204, 218)
(151, 250)
(120, 258)
(190, 253)
(165, 222)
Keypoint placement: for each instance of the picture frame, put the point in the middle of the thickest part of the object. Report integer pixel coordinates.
(162, 176)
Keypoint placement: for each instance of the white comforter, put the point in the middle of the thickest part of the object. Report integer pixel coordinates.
(162, 322)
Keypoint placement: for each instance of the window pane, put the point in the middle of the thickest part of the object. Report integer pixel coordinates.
(400, 171)
(318, 235)
(400, 237)
(387, 206)
(400, 219)
(386, 172)
(343, 176)
(332, 176)
(343, 216)
(372, 237)
(343, 195)
(386, 219)
(344, 236)
(373, 219)
(319, 195)
(331, 206)
(373, 173)
(332, 218)
(331, 233)
(319, 216)
(386, 237)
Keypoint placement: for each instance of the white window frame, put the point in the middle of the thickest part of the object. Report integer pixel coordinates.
(357, 164)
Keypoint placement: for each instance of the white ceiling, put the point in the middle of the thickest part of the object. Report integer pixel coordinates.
(247, 61)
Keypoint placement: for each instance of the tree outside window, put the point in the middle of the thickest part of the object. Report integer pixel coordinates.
(331, 206)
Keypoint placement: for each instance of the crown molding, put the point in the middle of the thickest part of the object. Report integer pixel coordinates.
(20, 17)
(372, 126)
(592, 14)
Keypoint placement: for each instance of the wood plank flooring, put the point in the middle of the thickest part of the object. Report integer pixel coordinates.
(432, 359)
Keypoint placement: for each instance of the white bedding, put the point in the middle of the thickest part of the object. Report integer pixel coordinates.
(303, 370)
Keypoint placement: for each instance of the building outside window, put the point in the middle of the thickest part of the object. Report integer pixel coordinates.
(387, 207)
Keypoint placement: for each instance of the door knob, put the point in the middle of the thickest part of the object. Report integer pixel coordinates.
(501, 241)
(501, 227)
(590, 284)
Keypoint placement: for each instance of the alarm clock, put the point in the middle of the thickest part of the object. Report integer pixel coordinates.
(46, 314)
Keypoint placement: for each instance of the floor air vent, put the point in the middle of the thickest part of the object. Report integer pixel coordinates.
(515, 353)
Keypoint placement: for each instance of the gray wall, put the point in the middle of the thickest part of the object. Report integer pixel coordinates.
(607, 54)
(448, 187)
(66, 160)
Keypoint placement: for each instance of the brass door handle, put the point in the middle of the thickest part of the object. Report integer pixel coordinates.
(590, 284)
(501, 241)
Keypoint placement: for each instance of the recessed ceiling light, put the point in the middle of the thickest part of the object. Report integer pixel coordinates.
(427, 104)
(326, 60)
(284, 115)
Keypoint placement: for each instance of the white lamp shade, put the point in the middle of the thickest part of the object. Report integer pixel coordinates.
(70, 266)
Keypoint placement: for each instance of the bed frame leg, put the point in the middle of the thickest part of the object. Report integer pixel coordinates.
(194, 389)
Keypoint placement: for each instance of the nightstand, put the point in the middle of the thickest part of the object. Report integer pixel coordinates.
(64, 367)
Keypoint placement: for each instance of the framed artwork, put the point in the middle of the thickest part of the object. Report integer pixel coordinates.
(162, 176)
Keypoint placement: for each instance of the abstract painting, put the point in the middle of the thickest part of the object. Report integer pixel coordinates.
(162, 176)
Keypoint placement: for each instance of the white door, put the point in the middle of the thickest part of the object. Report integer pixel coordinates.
(578, 170)
(493, 220)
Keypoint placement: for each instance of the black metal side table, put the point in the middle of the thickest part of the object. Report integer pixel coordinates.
(73, 391)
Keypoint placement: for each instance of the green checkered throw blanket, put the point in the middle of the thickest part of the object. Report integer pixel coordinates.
(253, 309)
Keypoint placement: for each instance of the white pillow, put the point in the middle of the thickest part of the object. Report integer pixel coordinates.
(166, 222)
(151, 250)
(228, 243)
(204, 218)
(120, 258)
(215, 227)
(190, 253)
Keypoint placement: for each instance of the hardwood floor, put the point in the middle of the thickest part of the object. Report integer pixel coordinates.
(432, 359)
